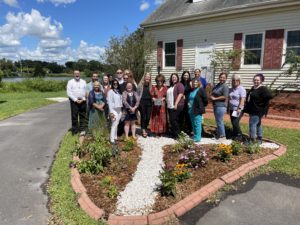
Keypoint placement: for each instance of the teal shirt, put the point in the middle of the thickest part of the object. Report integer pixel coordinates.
(191, 99)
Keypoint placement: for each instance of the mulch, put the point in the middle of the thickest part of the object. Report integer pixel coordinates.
(202, 176)
(121, 169)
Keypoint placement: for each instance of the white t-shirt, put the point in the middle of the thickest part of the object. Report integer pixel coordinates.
(170, 98)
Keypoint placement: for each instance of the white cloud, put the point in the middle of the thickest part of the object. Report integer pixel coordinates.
(144, 6)
(159, 2)
(13, 3)
(51, 45)
(58, 2)
(25, 24)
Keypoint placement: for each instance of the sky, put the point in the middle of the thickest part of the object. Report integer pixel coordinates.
(66, 30)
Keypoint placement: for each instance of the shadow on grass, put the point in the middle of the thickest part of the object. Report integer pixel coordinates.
(2, 102)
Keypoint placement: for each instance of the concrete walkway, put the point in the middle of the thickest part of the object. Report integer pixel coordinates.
(265, 200)
(28, 143)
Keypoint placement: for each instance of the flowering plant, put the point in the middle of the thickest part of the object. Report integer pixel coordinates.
(224, 152)
(194, 158)
(181, 173)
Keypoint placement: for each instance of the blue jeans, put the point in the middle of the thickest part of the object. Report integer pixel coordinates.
(197, 126)
(219, 117)
(255, 128)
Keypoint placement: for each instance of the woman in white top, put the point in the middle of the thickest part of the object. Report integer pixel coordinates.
(114, 101)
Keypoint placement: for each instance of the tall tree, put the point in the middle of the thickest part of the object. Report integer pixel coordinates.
(129, 52)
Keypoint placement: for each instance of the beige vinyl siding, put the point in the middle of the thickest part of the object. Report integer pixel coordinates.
(222, 33)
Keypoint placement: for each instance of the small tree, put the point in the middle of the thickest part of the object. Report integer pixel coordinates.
(293, 62)
(129, 52)
(39, 71)
(222, 61)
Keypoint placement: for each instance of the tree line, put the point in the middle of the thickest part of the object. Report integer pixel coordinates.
(127, 51)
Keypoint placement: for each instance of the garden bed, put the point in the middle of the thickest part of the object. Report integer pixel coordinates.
(104, 188)
(212, 170)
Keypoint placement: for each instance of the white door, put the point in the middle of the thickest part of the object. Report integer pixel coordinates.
(203, 59)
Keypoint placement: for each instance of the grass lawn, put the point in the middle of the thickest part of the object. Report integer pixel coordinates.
(289, 162)
(64, 201)
(12, 104)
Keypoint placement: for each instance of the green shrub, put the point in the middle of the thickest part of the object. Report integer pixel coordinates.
(37, 84)
(252, 148)
(236, 147)
(168, 183)
(129, 145)
(98, 152)
(183, 142)
(106, 181)
(112, 192)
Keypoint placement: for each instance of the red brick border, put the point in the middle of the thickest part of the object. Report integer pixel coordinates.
(181, 207)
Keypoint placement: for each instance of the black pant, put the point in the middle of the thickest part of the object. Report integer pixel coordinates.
(235, 121)
(185, 120)
(78, 111)
(174, 120)
(145, 109)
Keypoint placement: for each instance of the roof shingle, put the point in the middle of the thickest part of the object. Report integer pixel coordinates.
(174, 9)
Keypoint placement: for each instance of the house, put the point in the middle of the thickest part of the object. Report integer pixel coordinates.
(188, 31)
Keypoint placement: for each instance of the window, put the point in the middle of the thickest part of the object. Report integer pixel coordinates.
(293, 45)
(170, 54)
(253, 49)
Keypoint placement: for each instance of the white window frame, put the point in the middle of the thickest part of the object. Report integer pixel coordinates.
(164, 54)
(285, 47)
(254, 66)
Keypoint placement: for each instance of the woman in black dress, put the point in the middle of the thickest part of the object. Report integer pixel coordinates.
(131, 102)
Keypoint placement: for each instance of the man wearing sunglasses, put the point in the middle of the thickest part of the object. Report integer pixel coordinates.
(119, 76)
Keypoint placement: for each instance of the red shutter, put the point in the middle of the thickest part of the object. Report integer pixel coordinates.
(237, 45)
(273, 49)
(159, 53)
(179, 50)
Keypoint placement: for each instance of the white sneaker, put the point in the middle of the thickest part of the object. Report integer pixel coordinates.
(82, 133)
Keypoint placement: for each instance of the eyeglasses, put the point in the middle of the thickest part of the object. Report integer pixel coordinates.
(119, 72)
(115, 83)
(125, 78)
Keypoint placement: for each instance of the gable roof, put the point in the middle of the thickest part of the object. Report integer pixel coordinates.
(176, 9)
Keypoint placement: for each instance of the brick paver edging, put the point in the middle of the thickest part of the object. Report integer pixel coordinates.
(179, 208)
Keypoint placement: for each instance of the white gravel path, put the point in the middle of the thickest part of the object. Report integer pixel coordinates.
(139, 195)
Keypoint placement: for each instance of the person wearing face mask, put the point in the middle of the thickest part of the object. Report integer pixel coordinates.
(257, 102)
(219, 98)
(76, 91)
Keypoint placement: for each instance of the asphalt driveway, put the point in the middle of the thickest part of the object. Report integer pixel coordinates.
(28, 143)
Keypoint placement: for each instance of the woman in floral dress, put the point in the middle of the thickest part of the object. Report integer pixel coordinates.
(159, 114)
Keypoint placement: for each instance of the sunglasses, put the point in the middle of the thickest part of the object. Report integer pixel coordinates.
(119, 72)
(115, 83)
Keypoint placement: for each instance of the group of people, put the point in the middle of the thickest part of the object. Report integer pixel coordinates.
(169, 109)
